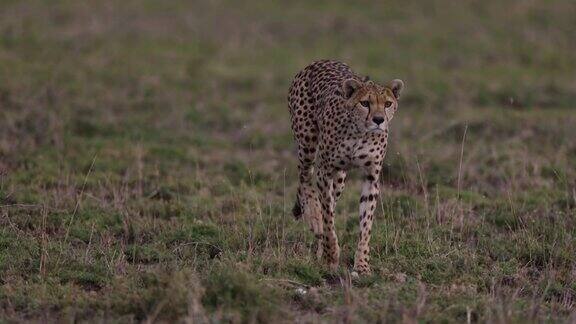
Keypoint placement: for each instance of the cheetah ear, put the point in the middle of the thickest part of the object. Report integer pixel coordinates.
(349, 86)
(396, 86)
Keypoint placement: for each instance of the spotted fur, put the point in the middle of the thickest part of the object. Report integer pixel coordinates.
(340, 121)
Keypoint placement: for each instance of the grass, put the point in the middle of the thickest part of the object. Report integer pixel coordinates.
(147, 168)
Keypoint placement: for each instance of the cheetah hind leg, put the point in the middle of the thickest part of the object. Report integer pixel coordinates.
(307, 206)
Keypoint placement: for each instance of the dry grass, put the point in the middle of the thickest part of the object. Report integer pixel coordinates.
(147, 168)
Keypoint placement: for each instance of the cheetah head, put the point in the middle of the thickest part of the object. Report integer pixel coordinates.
(372, 106)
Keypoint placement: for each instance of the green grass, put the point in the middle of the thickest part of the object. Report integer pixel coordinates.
(147, 168)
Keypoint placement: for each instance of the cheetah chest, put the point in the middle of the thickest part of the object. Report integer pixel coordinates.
(360, 152)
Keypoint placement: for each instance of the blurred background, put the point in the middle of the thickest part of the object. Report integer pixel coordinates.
(147, 168)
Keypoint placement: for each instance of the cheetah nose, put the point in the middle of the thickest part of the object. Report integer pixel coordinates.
(378, 120)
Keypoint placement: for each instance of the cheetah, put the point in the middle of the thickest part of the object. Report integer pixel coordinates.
(340, 121)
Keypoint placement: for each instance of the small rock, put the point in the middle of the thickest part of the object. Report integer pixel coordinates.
(354, 275)
(301, 291)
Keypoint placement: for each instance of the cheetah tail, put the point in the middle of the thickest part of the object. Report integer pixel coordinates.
(297, 209)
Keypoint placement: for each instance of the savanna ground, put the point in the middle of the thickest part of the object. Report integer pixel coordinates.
(147, 168)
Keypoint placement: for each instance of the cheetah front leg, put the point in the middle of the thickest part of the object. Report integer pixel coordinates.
(327, 201)
(370, 192)
(339, 182)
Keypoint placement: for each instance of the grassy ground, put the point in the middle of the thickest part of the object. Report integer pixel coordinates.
(147, 169)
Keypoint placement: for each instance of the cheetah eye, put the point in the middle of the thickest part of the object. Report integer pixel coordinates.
(388, 104)
(365, 104)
